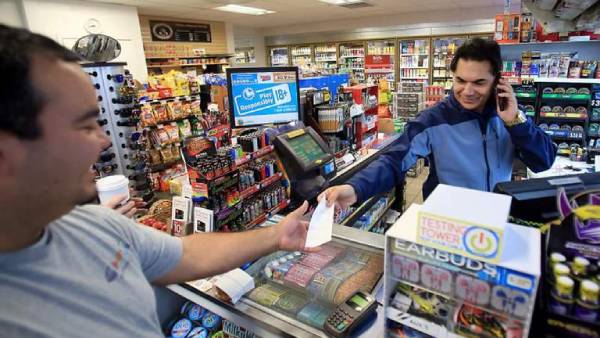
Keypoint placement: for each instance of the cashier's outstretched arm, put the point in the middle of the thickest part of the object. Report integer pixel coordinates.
(210, 254)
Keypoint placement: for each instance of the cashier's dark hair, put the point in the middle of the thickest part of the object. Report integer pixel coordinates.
(478, 49)
(20, 101)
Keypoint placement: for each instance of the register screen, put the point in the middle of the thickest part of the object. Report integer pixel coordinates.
(307, 149)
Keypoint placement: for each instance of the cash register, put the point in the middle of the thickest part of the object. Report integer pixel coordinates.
(307, 160)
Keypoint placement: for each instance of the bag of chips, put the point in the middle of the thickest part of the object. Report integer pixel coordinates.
(186, 109)
(185, 129)
(160, 113)
(147, 116)
(173, 132)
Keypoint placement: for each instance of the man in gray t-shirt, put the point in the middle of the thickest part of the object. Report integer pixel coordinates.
(73, 271)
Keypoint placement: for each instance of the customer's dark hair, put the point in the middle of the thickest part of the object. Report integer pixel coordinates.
(20, 102)
(478, 49)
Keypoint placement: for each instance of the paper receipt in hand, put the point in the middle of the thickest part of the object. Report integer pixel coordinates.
(320, 226)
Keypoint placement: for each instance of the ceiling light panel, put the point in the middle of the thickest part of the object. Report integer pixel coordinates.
(244, 10)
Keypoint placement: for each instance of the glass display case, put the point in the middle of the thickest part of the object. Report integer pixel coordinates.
(352, 60)
(308, 286)
(295, 292)
(414, 60)
(279, 56)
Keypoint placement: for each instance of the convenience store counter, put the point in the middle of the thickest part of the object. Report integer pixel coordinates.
(266, 322)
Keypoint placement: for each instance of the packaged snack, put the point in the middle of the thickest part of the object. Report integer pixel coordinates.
(182, 84)
(557, 109)
(174, 109)
(160, 113)
(195, 106)
(166, 154)
(175, 153)
(173, 132)
(154, 157)
(147, 116)
(186, 109)
(160, 137)
(559, 90)
(569, 109)
(185, 129)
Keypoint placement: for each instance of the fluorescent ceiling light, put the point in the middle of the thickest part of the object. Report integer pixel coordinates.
(244, 10)
(342, 2)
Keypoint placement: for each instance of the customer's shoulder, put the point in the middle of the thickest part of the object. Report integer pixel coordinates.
(98, 216)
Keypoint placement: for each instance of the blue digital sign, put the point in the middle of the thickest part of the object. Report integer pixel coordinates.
(263, 97)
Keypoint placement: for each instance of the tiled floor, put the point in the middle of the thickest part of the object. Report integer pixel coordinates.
(414, 186)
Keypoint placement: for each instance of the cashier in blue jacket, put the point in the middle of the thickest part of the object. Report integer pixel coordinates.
(469, 140)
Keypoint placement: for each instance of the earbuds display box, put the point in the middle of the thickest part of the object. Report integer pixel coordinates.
(440, 293)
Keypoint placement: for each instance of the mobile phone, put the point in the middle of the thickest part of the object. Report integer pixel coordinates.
(502, 101)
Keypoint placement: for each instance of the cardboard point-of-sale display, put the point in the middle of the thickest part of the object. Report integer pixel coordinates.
(463, 221)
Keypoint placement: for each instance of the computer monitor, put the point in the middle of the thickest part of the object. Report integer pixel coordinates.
(259, 96)
(535, 199)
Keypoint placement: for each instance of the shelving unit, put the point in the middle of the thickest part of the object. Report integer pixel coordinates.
(443, 49)
(326, 58)
(279, 56)
(199, 61)
(414, 59)
(352, 60)
(379, 61)
(302, 55)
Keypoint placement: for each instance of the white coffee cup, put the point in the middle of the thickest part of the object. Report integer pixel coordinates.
(111, 186)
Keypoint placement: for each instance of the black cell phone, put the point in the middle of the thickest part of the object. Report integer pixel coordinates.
(502, 101)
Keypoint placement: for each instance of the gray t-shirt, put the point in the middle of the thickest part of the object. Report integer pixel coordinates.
(89, 275)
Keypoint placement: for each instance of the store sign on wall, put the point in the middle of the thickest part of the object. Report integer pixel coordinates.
(180, 32)
(460, 237)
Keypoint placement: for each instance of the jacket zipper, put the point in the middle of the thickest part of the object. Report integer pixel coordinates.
(487, 165)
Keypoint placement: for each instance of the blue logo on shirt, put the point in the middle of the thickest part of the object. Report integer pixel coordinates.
(119, 263)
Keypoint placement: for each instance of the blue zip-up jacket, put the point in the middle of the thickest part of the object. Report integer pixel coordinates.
(465, 148)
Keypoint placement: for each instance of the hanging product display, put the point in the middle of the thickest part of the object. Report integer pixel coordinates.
(116, 94)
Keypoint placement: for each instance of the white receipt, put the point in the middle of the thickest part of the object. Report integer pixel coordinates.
(320, 226)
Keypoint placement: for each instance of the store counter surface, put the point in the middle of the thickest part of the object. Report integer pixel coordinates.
(563, 166)
(266, 322)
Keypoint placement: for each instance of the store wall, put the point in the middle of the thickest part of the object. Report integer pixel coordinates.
(65, 22)
(459, 21)
(217, 29)
(11, 13)
(251, 37)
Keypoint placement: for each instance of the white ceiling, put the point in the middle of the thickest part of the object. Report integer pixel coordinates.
(294, 12)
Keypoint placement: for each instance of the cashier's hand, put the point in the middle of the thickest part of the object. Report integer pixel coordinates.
(291, 231)
(343, 196)
(128, 209)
